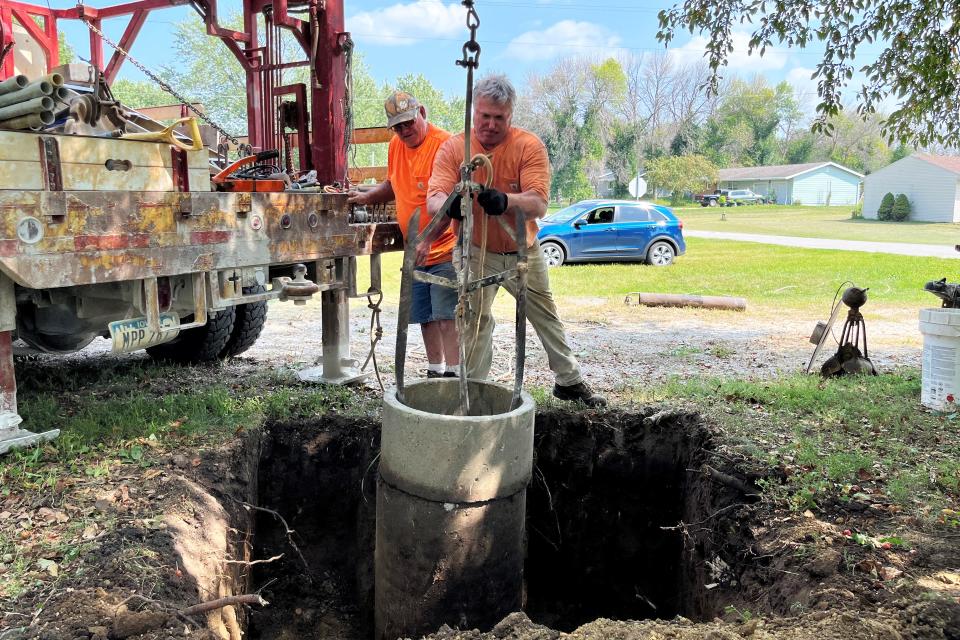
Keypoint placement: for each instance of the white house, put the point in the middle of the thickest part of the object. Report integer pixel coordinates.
(930, 183)
(812, 183)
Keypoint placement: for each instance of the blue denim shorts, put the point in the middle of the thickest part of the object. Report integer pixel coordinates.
(431, 301)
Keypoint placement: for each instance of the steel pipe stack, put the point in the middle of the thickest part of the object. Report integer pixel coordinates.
(451, 502)
(29, 105)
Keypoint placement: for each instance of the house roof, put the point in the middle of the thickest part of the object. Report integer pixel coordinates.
(950, 163)
(777, 172)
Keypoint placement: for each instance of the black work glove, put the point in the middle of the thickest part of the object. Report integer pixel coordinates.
(453, 212)
(493, 202)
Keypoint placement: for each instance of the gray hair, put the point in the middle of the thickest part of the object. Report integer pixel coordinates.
(495, 88)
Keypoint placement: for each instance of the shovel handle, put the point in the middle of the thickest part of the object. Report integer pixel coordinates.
(168, 136)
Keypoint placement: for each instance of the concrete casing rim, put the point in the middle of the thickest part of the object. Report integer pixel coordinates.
(457, 459)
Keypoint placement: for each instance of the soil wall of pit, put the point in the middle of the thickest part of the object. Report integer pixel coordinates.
(603, 522)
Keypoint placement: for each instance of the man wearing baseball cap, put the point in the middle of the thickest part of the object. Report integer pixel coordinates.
(409, 162)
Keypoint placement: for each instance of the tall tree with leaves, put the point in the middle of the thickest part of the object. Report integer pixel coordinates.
(916, 65)
(681, 174)
(750, 123)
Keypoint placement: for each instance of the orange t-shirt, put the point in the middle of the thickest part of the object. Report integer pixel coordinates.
(409, 173)
(520, 164)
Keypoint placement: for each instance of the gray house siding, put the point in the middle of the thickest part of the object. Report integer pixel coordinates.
(932, 190)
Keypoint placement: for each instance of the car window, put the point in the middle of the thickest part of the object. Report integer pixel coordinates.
(656, 216)
(633, 214)
(568, 213)
(600, 216)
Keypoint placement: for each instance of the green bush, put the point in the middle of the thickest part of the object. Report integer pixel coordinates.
(885, 212)
(857, 213)
(901, 207)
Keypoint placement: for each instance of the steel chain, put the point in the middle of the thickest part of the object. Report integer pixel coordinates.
(162, 84)
(471, 46)
(376, 331)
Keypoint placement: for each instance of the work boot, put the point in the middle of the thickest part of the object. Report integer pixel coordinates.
(434, 374)
(580, 391)
(450, 374)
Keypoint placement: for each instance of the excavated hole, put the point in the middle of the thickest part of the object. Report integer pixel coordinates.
(604, 488)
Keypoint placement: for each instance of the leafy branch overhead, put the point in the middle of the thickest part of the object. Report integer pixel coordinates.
(917, 66)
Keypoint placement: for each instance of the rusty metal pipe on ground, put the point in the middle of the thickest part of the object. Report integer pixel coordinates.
(32, 90)
(16, 83)
(30, 121)
(682, 300)
(37, 105)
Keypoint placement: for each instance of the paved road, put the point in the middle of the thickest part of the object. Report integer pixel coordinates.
(928, 250)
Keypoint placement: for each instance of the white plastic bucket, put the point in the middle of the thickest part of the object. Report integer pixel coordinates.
(940, 377)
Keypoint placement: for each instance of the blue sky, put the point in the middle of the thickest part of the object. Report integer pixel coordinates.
(518, 37)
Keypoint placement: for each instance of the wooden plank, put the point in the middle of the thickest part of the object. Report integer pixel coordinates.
(19, 146)
(359, 174)
(371, 135)
(20, 175)
(168, 112)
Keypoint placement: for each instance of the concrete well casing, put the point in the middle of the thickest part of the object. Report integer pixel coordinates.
(451, 504)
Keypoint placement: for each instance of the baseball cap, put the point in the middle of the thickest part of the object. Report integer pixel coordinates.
(400, 107)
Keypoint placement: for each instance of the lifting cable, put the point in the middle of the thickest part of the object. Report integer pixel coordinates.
(160, 82)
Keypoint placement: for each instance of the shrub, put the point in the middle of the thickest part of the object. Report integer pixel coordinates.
(772, 197)
(885, 212)
(901, 207)
(722, 201)
(857, 213)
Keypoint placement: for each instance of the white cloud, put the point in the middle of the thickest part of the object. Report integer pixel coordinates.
(803, 85)
(738, 61)
(403, 24)
(562, 38)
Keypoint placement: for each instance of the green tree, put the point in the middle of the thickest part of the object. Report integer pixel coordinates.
(680, 174)
(899, 152)
(901, 207)
(138, 94)
(917, 63)
(572, 109)
(445, 112)
(751, 123)
(885, 211)
(855, 142)
(64, 50)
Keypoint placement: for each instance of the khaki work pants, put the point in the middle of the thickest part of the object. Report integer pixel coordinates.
(541, 312)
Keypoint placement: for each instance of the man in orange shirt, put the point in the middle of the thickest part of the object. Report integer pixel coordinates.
(409, 161)
(521, 186)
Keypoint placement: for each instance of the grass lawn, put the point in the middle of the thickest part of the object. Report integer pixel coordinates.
(815, 222)
(812, 222)
(770, 277)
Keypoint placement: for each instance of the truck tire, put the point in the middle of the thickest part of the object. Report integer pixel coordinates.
(712, 202)
(200, 344)
(247, 327)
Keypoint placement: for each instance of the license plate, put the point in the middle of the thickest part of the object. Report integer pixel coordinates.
(134, 334)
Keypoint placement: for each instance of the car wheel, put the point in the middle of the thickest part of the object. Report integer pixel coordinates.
(660, 254)
(552, 254)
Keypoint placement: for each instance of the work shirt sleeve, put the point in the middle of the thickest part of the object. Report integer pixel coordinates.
(446, 169)
(535, 168)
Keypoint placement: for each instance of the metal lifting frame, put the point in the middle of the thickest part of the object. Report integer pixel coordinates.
(467, 317)
(321, 36)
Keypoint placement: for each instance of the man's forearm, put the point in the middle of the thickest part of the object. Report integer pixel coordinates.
(381, 193)
(434, 203)
(530, 202)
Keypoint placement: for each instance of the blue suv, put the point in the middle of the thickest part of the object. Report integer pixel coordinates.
(608, 230)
